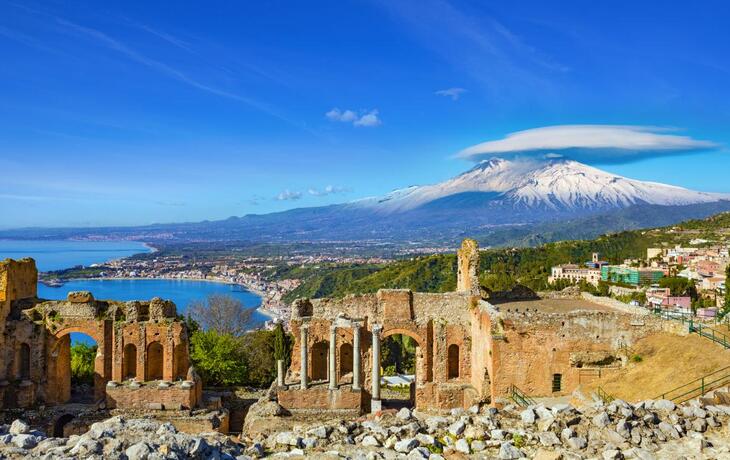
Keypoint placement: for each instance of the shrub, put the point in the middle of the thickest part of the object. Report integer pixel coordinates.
(217, 358)
(82, 363)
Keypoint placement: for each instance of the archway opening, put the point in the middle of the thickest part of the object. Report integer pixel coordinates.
(399, 368)
(129, 364)
(345, 360)
(320, 361)
(78, 368)
(23, 362)
(154, 357)
(453, 362)
(60, 425)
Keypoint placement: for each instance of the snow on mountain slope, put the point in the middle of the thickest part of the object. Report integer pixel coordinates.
(558, 184)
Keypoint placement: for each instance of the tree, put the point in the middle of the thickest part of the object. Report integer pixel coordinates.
(258, 349)
(221, 313)
(218, 358)
(679, 286)
(82, 363)
(281, 348)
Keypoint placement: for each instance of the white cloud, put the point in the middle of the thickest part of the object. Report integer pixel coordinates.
(453, 93)
(589, 143)
(369, 119)
(287, 195)
(328, 190)
(364, 118)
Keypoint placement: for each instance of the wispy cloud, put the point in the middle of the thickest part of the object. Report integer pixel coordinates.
(328, 190)
(288, 195)
(477, 44)
(165, 36)
(366, 118)
(589, 143)
(161, 67)
(453, 93)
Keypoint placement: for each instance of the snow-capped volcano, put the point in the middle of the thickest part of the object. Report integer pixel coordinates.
(555, 184)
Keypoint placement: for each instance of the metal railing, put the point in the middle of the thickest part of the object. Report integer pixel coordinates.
(698, 387)
(605, 397)
(709, 333)
(520, 397)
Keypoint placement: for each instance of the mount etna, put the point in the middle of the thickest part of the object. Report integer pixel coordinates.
(498, 201)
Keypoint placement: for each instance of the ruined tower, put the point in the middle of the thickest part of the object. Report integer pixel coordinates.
(468, 267)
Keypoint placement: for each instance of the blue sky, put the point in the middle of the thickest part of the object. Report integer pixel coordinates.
(138, 112)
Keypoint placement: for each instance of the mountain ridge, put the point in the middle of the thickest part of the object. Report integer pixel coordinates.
(492, 196)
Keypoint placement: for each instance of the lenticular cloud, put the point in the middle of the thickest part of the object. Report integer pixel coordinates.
(589, 144)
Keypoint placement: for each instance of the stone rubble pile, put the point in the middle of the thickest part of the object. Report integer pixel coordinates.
(648, 430)
(119, 438)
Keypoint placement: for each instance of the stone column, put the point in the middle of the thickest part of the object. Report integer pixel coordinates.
(356, 357)
(303, 347)
(280, 372)
(333, 358)
(376, 404)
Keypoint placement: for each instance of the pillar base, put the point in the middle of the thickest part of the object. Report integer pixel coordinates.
(376, 405)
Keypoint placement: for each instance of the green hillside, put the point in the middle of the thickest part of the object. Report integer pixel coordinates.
(503, 268)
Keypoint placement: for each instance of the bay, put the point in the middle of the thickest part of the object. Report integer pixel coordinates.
(182, 292)
(57, 255)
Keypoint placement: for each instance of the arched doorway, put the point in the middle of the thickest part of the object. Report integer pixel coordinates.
(345, 359)
(129, 364)
(77, 368)
(320, 359)
(155, 353)
(179, 360)
(453, 362)
(399, 364)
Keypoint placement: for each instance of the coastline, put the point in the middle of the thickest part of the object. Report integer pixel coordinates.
(260, 294)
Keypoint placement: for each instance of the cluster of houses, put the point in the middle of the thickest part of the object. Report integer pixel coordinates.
(705, 266)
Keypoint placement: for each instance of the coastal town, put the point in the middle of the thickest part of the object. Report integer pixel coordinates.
(255, 274)
(640, 280)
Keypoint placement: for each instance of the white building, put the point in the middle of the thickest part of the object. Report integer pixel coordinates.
(574, 274)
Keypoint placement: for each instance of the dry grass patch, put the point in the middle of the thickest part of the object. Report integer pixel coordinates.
(665, 361)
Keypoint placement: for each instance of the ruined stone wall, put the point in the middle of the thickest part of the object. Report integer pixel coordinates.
(467, 280)
(320, 398)
(151, 396)
(18, 280)
(35, 344)
(536, 346)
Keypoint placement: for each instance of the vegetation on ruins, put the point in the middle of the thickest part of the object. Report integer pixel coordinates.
(82, 363)
(218, 358)
(226, 354)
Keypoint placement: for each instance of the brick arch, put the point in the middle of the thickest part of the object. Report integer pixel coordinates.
(91, 332)
(404, 331)
(60, 360)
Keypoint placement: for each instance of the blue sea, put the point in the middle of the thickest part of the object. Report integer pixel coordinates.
(55, 255)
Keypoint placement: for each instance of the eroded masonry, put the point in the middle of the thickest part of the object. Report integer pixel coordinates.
(469, 348)
(141, 361)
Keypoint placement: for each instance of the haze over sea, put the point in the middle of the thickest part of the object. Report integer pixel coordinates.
(56, 255)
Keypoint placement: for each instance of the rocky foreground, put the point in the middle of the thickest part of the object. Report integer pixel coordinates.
(647, 430)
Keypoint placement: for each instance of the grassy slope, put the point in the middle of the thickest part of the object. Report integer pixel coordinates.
(668, 361)
(502, 268)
